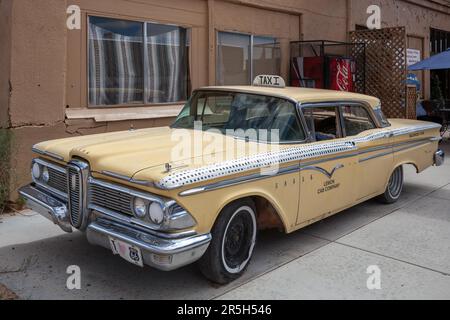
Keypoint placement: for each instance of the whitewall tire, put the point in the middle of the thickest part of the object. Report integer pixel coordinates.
(233, 241)
(394, 187)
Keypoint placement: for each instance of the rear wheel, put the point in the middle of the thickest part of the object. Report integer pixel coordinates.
(232, 244)
(394, 187)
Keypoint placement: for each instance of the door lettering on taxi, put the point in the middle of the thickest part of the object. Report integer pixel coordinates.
(328, 186)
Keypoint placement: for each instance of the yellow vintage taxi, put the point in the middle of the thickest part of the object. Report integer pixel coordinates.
(237, 160)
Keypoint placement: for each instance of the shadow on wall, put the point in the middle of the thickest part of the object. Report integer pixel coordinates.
(5, 144)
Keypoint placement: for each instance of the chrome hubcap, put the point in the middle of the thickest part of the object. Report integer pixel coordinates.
(396, 183)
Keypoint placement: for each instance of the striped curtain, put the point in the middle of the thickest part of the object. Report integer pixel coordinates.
(119, 66)
(167, 59)
(115, 62)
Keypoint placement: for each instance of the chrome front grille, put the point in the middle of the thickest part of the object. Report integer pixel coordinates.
(57, 180)
(110, 199)
(75, 195)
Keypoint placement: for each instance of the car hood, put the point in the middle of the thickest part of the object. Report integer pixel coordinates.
(145, 153)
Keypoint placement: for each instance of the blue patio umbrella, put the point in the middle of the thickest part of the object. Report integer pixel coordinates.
(438, 61)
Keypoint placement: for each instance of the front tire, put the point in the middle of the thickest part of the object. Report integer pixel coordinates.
(232, 244)
(394, 187)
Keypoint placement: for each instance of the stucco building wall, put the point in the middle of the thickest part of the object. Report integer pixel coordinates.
(46, 63)
(5, 58)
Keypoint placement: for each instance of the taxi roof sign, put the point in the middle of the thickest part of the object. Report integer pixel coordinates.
(265, 80)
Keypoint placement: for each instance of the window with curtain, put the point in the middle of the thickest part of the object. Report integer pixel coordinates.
(266, 56)
(241, 57)
(135, 63)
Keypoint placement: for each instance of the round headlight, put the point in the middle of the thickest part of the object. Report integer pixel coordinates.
(36, 171)
(139, 207)
(45, 175)
(156, 213)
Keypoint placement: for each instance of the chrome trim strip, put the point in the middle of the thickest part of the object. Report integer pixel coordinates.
(239, 180)
(408, 145)
(393, 146)
(304, 166)
(50, 165)
(383, 154)
(115, 175)
(413, 145)
(322, 170)
(344, 156)
(127, 179)
(58, 193)
(132, 222)
(135, 193)
(408, 130)
(47, 153)
(143, 183)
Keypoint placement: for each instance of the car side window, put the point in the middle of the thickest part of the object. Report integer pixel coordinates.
(323, 122)
(356, 120)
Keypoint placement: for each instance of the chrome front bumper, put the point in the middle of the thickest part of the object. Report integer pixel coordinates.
(162, 253)
(439, 158)
(158, 252)
(47, 205)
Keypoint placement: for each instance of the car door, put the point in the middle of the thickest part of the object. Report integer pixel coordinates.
(327, 179)
(375, 157)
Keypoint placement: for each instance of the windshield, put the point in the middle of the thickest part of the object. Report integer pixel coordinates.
(272, 118)
(381, 117)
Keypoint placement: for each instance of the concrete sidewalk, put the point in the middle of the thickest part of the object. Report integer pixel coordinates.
(408, 241)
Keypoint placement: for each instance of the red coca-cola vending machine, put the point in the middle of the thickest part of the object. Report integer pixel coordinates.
(335, 73)
(341, 74)
(308, 72)
(325, 64)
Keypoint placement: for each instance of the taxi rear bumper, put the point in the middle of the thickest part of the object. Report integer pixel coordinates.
(439, 158)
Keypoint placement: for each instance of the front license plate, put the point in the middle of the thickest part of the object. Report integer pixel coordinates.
(127, 251)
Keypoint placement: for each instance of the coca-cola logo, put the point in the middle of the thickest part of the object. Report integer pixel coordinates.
(342, 75)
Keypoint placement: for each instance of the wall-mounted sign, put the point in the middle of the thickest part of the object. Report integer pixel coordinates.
(412, 56)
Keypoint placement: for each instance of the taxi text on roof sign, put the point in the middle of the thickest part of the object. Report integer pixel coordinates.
(269, 81)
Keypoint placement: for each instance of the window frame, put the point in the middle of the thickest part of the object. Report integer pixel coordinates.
(344, 129)
(338, 105)
(252, 36)
(339, 128)
(145, 102)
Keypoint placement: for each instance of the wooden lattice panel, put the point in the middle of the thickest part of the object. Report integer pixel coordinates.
(358, 53)
(385, 71)
(411, 101)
